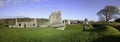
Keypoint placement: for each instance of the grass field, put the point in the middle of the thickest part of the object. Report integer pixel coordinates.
(72, 33)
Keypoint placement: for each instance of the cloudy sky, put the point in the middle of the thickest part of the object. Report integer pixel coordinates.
(71, 9)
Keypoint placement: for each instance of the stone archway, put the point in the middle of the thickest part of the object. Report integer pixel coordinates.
(24, 25)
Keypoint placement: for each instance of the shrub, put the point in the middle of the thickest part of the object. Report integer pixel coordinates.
(117, 20)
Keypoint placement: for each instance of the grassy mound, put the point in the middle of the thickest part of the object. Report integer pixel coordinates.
(110, 31)
(106, 34)
(106, 30)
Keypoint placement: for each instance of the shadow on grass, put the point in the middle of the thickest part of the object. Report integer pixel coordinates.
(111, 38)
(98, 28)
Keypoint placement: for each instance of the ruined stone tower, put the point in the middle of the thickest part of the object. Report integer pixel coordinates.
(55, 18)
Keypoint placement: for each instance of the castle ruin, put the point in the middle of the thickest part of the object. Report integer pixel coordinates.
(32, 23)
(55, 20)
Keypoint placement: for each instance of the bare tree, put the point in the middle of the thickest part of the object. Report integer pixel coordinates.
(108, 13)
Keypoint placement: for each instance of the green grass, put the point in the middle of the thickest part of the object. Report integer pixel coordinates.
(74, 27)
(72, 33)
(35, 35)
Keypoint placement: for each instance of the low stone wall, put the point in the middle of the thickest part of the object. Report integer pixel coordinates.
(58, 26)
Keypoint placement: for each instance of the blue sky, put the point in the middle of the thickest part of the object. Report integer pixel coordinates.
(71, 9)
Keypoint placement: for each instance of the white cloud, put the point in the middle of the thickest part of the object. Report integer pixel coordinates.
(4, 3)
(1, 3)
(36, 0)
(40, 1)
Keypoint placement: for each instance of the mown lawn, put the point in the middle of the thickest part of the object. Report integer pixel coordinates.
(36, 35)
(74, 27)
(72, 33)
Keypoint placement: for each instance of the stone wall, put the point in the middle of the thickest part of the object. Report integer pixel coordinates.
(32, 23)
